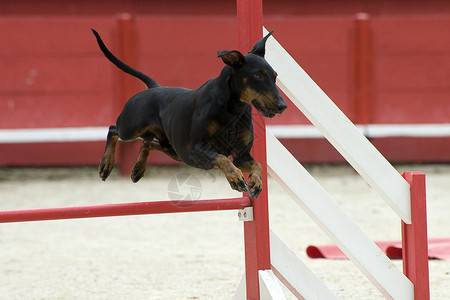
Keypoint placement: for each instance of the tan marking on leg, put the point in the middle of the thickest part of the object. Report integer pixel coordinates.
(234, 175)
(108, 159)
(141, 165)
(254, 169)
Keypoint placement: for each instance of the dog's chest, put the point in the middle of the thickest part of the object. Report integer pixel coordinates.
(232, 136)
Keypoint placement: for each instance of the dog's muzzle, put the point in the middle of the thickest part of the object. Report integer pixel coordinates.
(271, 112)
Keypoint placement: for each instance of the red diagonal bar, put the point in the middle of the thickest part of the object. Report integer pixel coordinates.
(122, 209)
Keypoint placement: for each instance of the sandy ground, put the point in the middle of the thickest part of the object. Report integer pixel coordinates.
(182, 256)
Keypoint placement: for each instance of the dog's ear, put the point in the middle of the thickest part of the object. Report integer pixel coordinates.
(232, 58)
(260, 46)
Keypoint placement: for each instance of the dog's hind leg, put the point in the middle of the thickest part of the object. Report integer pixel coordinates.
(107, 162)
(140, 166)
(165, 147)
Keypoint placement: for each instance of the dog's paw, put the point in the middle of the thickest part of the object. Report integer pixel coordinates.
(254, 186)
(237, 181)
(105, 168)
(138, 171)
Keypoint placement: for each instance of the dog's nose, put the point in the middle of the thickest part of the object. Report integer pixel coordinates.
(281, 106)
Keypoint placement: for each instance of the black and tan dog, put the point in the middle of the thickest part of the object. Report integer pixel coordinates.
(200, 127)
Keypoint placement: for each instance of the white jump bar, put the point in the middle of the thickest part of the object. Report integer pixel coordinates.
(48, 135)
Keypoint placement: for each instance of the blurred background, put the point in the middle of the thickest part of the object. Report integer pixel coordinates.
(386, 64)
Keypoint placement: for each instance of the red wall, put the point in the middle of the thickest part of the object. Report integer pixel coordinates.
(53, 74)
(223, 7)
(411, 70)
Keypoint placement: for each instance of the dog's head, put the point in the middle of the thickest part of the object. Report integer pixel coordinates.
(254, 79)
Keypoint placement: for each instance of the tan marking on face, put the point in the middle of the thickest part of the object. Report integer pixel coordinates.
(266, 100)
(245, 80)
(264, 71)
(248, 95)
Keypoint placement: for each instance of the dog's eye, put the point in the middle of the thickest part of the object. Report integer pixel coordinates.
(258, 75)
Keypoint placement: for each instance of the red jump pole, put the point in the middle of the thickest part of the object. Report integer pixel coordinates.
(414, 238)
(122, 209)
(256, 232)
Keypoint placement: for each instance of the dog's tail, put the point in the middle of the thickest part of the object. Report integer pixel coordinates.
(150, 83)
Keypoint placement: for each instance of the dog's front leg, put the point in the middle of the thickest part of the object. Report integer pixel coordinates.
(254, 169)
(232, 173)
